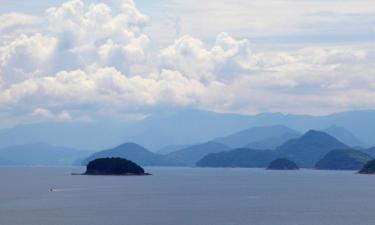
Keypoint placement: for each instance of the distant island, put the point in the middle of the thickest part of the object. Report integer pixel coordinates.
(369, 168)
(114, 166)
(282, 164)
(343, 159)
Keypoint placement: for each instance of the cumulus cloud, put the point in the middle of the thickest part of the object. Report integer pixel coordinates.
(226, 59)
(45, 114)
(40, 112)
(26, 57)
(96, 58)
(106, 88)
(77, 35)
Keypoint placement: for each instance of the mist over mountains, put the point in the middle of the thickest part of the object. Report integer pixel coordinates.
(40, 154)
(184, 127)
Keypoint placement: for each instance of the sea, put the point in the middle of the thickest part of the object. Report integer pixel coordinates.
(186, 196)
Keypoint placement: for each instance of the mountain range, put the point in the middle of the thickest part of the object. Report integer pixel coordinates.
(305, 151)
(310, 148)
(185, 127)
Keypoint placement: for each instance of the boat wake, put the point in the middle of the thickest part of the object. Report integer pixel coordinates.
(82, 189)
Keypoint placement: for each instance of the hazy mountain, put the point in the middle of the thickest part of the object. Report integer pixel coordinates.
(183, 127)
(153, 132)
(272, 142)
(343, 159)
(171, 148)
(242, 157)
(135, 153)
(310, 148)
(186, 127)
(258, 136)
(191, 155)
(40, 154)
(343, 135)
(77, 135)
(369, 151)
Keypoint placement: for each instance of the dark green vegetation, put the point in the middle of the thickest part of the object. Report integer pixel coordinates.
(344, 159)
(134, 153)
(191, 155)
(310, 148)
(268, 137)
(242, 157)
(368, 168)
(113, 166)
(282, 164)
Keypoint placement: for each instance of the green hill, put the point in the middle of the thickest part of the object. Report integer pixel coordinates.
(310, 148)
(343, 159)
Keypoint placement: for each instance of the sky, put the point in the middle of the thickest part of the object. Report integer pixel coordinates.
(86, 60)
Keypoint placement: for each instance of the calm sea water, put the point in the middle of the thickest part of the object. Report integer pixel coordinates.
(186, 196)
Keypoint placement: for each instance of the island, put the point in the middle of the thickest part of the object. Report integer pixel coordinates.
(343, 159)
(369, 168)
(282, 164)
(114, 166)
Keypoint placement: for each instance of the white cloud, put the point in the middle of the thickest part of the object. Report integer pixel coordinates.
(105, 87)
(223, 61)
(26, 57)
(97, 59)
(45, 114)
(15, 19)
(64, 116)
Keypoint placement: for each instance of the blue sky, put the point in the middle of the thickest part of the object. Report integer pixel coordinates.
(83, 60)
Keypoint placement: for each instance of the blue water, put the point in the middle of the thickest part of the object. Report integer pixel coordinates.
(186, 196)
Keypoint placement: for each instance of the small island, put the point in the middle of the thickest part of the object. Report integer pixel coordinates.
(368, 168)
(282, 164)
(114, 166)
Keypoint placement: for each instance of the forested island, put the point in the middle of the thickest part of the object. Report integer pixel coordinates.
(114, 166)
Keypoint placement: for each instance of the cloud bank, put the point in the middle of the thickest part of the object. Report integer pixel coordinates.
(78, 61)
